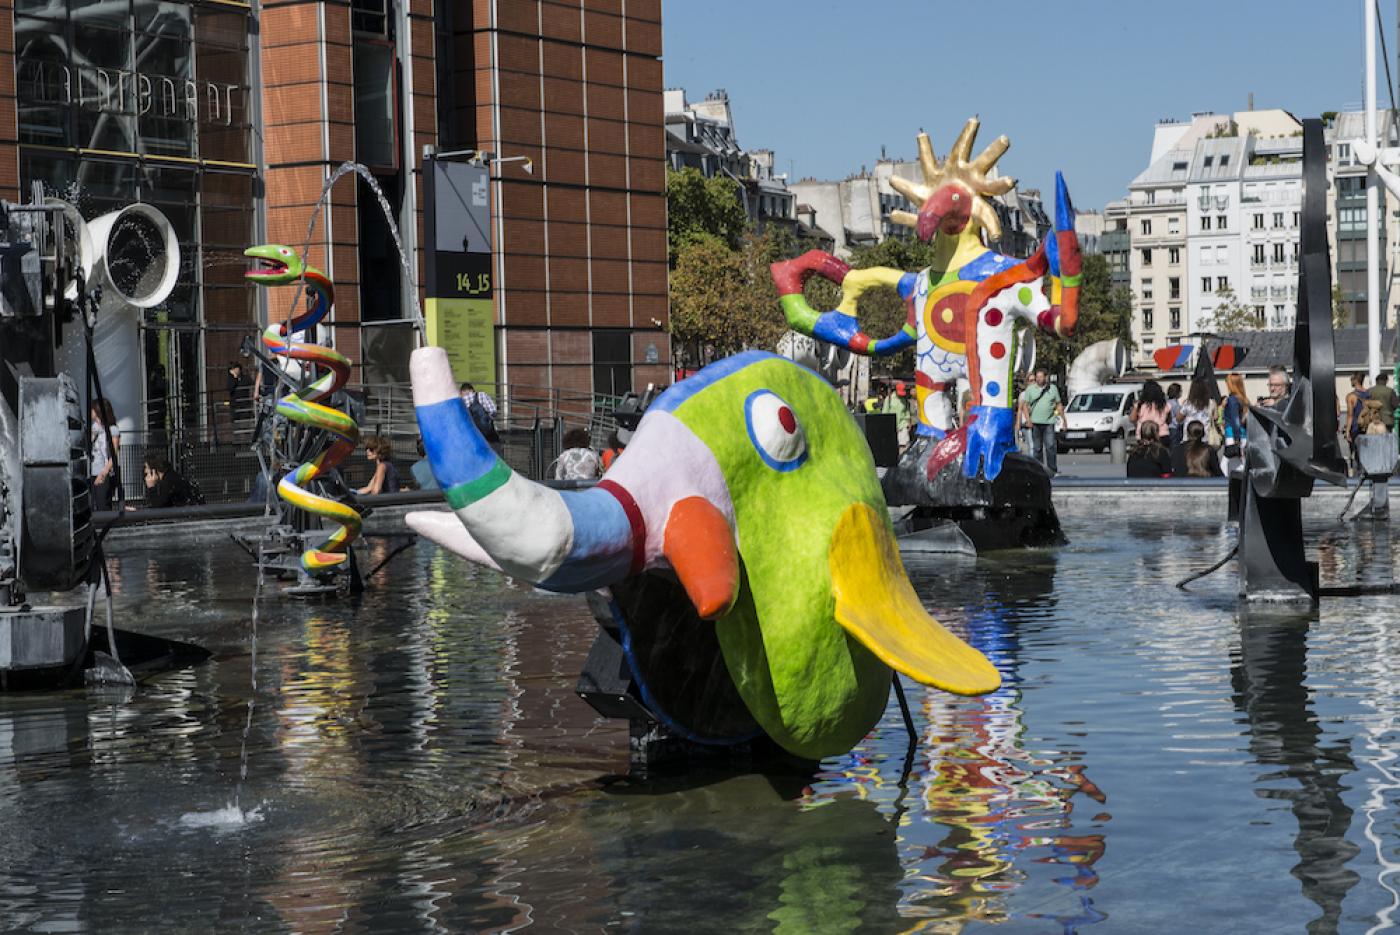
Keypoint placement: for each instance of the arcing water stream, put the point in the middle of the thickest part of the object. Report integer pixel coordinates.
(344, 169)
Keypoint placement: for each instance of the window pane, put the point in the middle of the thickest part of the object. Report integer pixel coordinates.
(375, 137)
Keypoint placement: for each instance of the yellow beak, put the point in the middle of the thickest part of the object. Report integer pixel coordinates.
(877, 605)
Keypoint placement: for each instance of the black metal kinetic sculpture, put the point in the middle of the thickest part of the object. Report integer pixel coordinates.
(1295, 443)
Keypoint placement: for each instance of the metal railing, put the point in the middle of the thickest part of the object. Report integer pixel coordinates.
(209, 438)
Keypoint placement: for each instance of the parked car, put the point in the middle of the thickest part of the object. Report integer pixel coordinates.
(1097, 415)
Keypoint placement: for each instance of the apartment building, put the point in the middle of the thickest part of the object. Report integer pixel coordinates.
(1213, 268)
(1346, 212)
(1271, 204)
(701, 136)
(1213, 221)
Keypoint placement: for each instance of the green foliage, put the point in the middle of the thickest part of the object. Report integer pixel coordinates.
(1104, 313)
(699, 208)
(1226, 130)
(723, 301)
(1232, 315)
(1340, 311)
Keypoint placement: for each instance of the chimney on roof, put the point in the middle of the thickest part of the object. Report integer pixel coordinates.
(1251, 101)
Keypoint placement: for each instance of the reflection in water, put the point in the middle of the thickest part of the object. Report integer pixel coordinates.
(1269, 675)
(421, 764)
(987, 799)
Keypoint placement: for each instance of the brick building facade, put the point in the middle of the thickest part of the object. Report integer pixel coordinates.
(576, 86)
(230, 120)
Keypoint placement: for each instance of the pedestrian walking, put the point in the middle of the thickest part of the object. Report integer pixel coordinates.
(1042, 407)
(1383, 394)
(1355, 402)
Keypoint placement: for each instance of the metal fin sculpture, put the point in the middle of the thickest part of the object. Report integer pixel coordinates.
(279, 265)
(1295, 443)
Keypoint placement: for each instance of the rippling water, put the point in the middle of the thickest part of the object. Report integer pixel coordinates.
(1156, 761)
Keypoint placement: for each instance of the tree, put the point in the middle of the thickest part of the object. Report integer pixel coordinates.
(1340, 312)
(1232, 315)
(699, 208)
(1105, 312)
(723, 301)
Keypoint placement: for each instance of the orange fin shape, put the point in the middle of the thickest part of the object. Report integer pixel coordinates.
(700, 547)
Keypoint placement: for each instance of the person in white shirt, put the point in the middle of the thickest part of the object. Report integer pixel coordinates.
(102, 468)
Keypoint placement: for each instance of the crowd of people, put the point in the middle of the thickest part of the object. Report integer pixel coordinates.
(1203, 435)
(1195, 431)
(1190, 429)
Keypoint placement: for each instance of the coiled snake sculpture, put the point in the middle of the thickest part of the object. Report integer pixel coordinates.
(277, 266)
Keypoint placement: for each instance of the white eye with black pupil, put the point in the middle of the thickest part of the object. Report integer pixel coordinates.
(776, 434)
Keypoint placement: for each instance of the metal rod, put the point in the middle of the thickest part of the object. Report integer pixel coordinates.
(1373, 247)
(234, 510)
(908, 719)
(391, 556)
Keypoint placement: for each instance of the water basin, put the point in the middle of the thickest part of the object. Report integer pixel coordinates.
(1157, 760)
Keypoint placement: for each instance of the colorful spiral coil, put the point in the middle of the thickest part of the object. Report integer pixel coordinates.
(279, 265)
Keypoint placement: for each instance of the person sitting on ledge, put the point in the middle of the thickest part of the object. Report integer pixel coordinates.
(1149, 458)
(1194, 457)
(164, 485)
(423, 471)
(380, 452)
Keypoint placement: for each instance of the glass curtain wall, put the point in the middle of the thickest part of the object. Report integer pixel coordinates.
(148, 100)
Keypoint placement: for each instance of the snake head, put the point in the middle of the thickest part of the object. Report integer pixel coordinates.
(275, 266)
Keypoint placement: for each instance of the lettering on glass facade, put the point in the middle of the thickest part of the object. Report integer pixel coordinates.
(116, 91)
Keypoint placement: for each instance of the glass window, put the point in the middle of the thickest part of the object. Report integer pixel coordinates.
(1101, 402)
(376, 137)
(612, 362)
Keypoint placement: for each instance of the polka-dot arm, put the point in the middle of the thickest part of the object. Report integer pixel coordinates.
(991, 349)
(993, 308)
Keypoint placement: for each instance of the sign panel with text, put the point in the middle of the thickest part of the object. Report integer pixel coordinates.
(460, 285)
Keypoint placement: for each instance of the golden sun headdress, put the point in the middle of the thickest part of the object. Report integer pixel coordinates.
(956, 168)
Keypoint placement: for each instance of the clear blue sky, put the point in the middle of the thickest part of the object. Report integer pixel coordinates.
(1077, 86)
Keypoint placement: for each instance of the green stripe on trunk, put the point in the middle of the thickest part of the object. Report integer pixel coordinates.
(468, 493)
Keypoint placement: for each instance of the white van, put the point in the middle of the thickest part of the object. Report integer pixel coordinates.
(1098, 414)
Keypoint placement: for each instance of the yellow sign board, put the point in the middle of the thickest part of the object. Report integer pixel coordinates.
(466, 330)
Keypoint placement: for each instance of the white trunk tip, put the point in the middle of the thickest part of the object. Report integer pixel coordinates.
(432, 376)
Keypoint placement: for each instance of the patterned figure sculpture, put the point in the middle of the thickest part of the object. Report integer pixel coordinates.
(752, 484)
(963, 308)
(279, 265)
